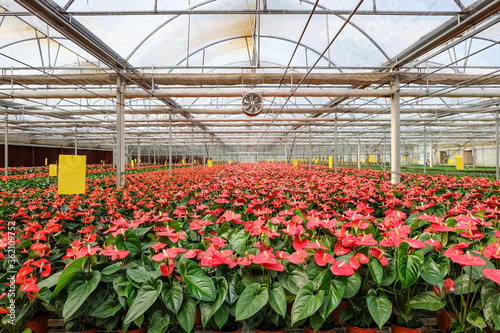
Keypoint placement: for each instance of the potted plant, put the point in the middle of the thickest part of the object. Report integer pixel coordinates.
(416, 273)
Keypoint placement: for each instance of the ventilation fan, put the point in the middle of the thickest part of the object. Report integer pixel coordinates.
(252, 104)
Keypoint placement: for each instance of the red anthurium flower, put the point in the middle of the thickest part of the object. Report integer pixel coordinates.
(30, 288)
(437, 290)
(449, 284)
(398, 215)
(211, 258)
(322, 258)
(158, 246)
(386, 242)
(246, 260)
(3, 311)
(342, 268)
(299, 244)
(87, 251)
(282, 255)
(379, 254)
(472, 234)
(340, 250)
(365, 240)
(315, 245)
(468, 260)
(179, 235)
(494, 250)
(357, 260)
(23, 273)
(231, 216)
(275, 267)
(192, 253)
(218, 242)
(114, 253)
(452, 252)
(462, 245)
(492, 274)
(415, 243)
(199, 224)
(298, 257)
(399, 232)
(265, 257)
(167, 269)
(433, 242)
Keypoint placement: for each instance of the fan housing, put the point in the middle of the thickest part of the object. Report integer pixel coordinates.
(252, 104)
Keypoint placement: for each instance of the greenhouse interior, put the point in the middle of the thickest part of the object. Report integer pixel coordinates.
(250, 166)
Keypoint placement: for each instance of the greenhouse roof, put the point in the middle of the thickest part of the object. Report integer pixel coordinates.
(314, 64)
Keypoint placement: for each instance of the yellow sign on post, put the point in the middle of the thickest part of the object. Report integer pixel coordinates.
(183, 162)
(71, 174)
(52, 170)
(209, 163)
(370, 159)
(330, 161)
(132, 163)
(295, 162)
(459, 162)
(404, 158)
(45, 160)
(272, 160)
(450, 162)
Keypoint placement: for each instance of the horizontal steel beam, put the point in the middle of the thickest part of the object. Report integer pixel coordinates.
(231, 111)
(254, 79)
(227, 92)
(246, 12)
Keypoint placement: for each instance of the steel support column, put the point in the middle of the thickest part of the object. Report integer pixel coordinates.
(76, 140)
(473, 152)
(497, 160)
(335, 156)
(286, 150)
(395, 135)
(310, 148)
(359, 152)
(425, 149)
(170, 143)
(6, 144)
(121, 86)
(138, 153)
(432, 153)
(192, 148)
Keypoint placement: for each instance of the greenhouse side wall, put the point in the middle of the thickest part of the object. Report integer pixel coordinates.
(20, 155)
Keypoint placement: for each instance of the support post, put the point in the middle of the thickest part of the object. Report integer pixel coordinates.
(432, 152)
(286, 150)
(76, 140)
(425, 149)
(395, 135)
(6, 144)
(473, 152)
(192, 147)
(497, 160)
(342, 157)
(335, 156)
(120, 131)
(204, 152)
(310, 148)
(138, 153)
(170, 142)
(359, 152)
(383, 154)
